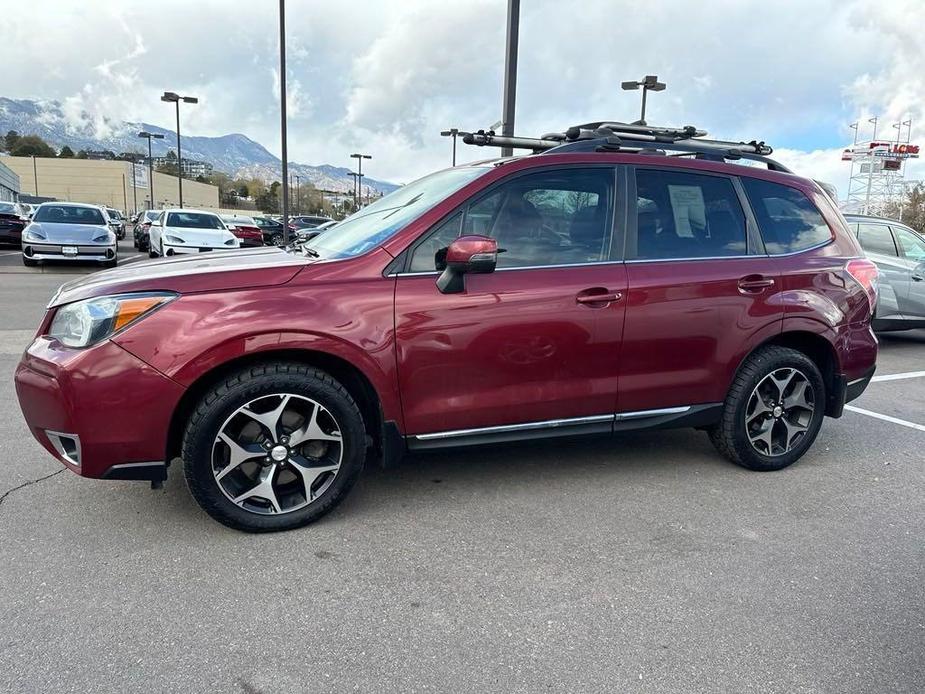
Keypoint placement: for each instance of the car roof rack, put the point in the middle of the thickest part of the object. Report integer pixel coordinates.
(632, 138)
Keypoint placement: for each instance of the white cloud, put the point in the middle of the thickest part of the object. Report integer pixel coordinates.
(388, 76)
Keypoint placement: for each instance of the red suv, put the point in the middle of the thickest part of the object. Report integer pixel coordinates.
(595, 286)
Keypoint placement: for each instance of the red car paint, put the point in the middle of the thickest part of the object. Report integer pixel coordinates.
(517, 346)
(249, 235)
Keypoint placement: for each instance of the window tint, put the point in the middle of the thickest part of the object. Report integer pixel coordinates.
(788, 220)
(683, 215)
(876, 238)
(69, 214)
(547, 218)
(913, 245)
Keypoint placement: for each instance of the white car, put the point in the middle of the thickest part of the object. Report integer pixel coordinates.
(189, 231)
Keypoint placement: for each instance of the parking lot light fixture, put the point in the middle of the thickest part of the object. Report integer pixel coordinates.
(452, 132)
(359, 158)
(647, 83)
(149, 136)
(174, 98)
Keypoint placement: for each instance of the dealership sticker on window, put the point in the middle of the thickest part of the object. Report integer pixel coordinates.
(688, 207)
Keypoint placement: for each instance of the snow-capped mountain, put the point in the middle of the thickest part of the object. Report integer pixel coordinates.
(234, 154)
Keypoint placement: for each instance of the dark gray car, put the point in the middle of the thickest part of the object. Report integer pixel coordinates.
(899, 253)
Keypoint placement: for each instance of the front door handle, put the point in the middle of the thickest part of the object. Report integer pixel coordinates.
(755, 283)
(917, 278)
(598, 296)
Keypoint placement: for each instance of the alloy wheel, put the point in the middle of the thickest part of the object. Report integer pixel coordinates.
(277, 454)
(780, 411)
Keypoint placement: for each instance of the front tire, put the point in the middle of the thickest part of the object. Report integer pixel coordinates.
(28, 262)
(773, 411)
(273, 447)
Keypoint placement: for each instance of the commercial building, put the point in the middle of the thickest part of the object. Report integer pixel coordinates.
(189, 167)
(9, 184)
(110, 183)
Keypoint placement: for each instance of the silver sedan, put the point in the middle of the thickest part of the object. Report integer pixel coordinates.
(69, 231)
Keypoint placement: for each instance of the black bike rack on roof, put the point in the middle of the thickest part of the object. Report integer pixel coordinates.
(633, 138)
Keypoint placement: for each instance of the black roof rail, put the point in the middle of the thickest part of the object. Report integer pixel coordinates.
(613, 136)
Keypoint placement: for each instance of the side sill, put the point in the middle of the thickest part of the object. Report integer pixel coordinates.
(674, 417)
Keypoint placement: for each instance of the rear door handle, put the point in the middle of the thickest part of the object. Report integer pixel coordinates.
(598, 295)
(755, 283)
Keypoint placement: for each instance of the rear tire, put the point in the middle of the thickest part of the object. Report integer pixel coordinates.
(228, 410)
(762, 428)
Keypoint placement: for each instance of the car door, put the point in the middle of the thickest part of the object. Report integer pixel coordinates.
(912, 253)
(700, 290)
(879, 245)
(155, 232)
(533, 346)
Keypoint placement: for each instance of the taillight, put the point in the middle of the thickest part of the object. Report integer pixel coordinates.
(866, 274)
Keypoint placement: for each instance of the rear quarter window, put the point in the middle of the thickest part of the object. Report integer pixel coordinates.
(788, 220)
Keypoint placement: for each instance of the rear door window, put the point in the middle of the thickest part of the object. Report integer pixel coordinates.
(876, 238)
(788, 220)
(912, 245)
(686, 215)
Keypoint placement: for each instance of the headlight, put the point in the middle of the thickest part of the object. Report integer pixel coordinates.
(32, 235)
(87, 322)
(174, 239)
(100, 238)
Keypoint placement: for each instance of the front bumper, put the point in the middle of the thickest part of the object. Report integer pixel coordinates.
(170, 249)
(107, 412)
(47, 251)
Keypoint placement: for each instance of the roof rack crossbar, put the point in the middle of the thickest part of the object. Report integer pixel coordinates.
(606, 136)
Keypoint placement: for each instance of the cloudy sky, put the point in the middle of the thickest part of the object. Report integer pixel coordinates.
(386, 76)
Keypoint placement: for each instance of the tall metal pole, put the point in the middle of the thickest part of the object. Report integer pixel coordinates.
(35, 176)
(282, 116)
(510, 73)
(642, 114)
(134, 191)
(150, 174)
(179, 155)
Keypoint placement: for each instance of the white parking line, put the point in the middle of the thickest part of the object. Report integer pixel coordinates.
(898, 377)
(11, 253)
(886, 418)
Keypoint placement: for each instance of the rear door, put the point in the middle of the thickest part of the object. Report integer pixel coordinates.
(912, 252)
(527, 347)
(700, 289)
(879, 245)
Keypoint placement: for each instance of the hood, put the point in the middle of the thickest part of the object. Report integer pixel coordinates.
(57, 232)
(204, 272)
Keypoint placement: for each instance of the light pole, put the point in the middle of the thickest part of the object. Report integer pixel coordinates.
(648, 83)
(359, 158)
(354, 176)
(282, 118)
(149, 136)
(176, 99)
(510, 73)
(298, 193)
(452, 132)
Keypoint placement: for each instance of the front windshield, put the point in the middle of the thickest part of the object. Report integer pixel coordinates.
(114, 214)
(7, 208)
(193, 220)
(65, 214)
(369, 227)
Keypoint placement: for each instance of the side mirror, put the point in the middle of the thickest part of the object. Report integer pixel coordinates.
(467, 255)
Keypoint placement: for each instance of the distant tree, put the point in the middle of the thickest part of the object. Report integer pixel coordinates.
(9, 142)
(911, 210)
(32, 145)
(201, 179)
(243, 190)
(171, 154)
(66, 153)
(169, 169)
(81, 154)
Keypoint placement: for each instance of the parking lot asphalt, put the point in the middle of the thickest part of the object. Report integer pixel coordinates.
(641, 563)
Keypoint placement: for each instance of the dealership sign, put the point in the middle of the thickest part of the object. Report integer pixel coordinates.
(888, 150)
